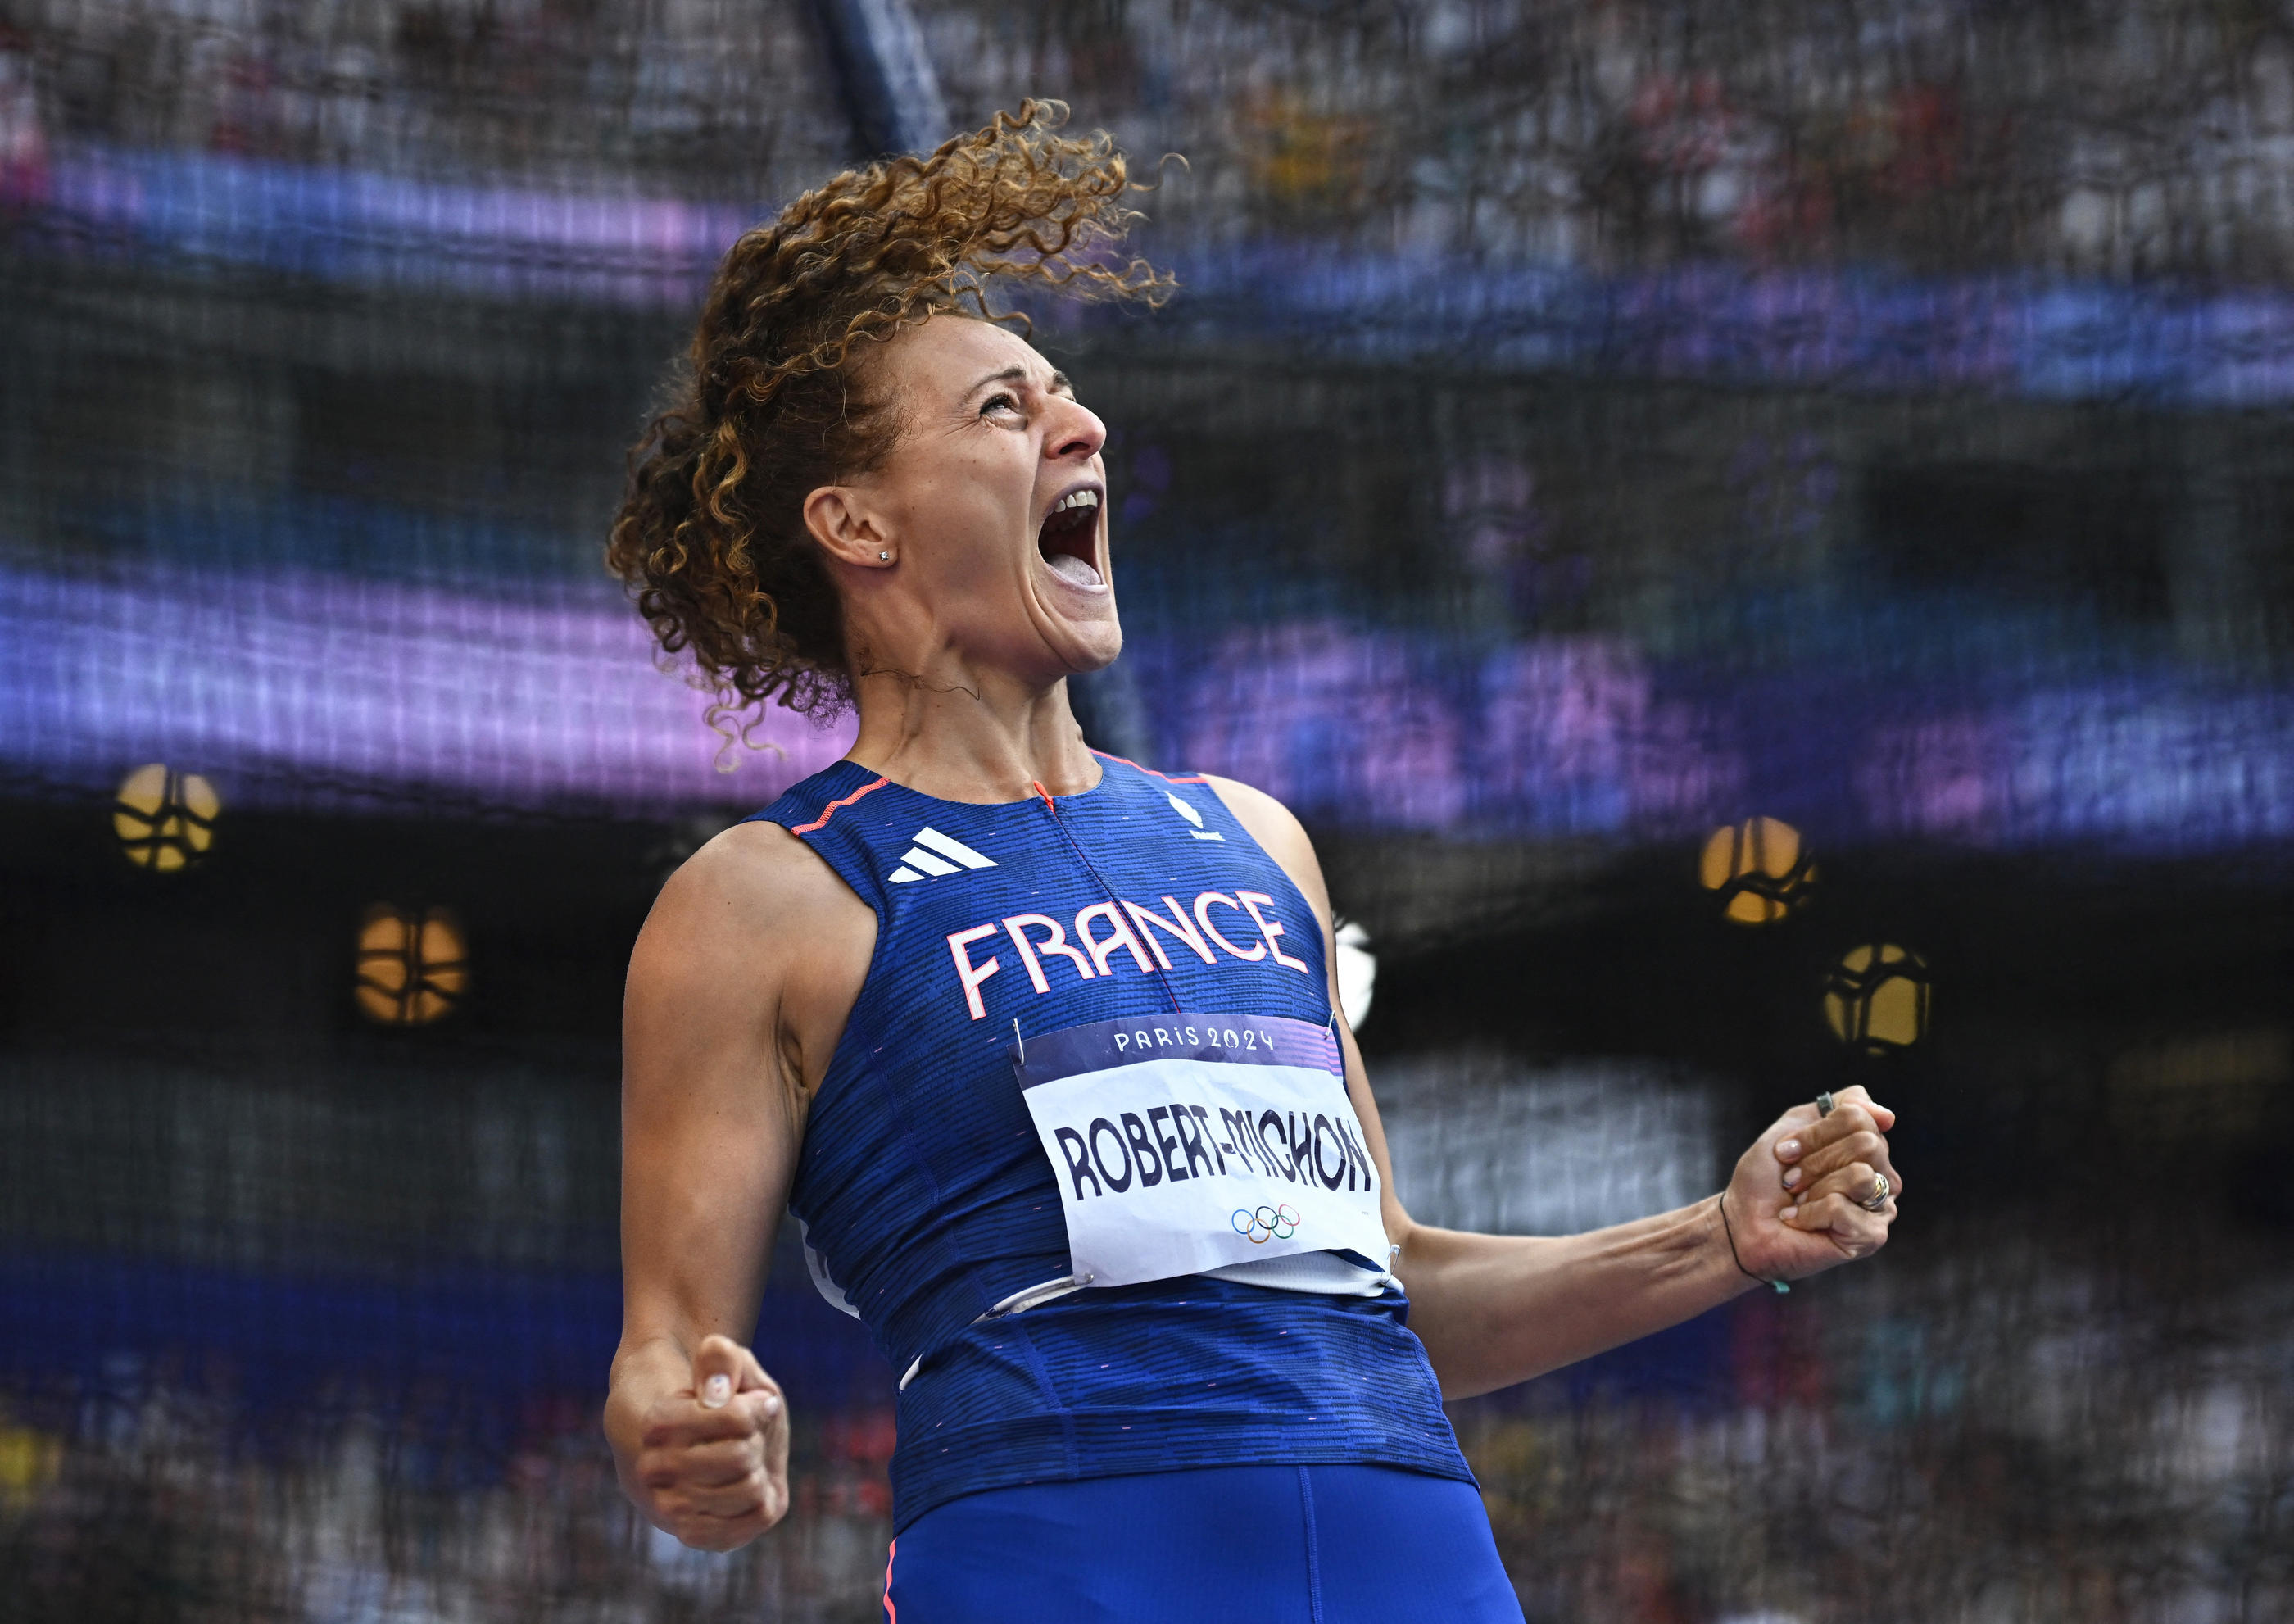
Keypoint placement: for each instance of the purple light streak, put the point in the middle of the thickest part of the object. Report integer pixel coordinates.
(270, 684)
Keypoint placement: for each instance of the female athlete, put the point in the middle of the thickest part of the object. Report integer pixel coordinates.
(1042, 1048)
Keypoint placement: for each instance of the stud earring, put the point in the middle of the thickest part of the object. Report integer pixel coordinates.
(885, 556)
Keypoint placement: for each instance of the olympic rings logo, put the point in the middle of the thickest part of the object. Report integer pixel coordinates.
(1265, 1224)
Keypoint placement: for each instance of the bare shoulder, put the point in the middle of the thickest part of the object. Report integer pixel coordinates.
(755, 923)
(1277, 829)
(755, 885)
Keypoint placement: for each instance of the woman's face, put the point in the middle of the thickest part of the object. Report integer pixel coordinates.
(993, 503)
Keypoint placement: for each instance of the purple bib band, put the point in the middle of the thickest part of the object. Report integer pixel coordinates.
(1233, 1040)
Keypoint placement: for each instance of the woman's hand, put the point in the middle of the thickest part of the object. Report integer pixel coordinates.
(1796, 1203)
(713, 1463)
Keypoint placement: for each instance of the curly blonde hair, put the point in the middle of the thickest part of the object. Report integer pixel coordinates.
(777, 401)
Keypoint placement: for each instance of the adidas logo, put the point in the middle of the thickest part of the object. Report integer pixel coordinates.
(919, 860)
(1193, 817)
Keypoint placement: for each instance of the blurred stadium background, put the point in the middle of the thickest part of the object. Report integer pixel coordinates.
(1759, 537)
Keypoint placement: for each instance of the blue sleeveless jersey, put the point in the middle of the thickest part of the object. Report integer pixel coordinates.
(928, 1199)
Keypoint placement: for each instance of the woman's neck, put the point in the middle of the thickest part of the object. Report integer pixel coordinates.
(998, 741)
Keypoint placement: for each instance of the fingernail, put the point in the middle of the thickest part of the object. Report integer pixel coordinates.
(1789, 1213)
(771, 1406)
(1792, 1177)
(715, 1391)
(1790, 1147)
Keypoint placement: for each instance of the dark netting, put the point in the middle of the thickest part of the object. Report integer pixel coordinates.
(1759, 539)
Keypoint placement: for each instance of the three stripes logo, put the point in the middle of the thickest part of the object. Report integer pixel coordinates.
(1193, 817)
(934, 855)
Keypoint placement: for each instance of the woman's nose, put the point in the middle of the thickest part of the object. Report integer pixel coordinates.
(1077, 432)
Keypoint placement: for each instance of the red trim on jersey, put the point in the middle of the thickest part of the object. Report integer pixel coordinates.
(1150, 771)
(829, 810)
(892, 1614)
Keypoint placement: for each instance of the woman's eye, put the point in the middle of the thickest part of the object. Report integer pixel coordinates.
(994, 403)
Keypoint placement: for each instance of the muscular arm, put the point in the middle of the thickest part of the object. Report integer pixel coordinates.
(731, 1013)
(1493, 1310)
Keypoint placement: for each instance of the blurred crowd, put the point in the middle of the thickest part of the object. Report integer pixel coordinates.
(2030, 1431)
(702, 98)
(2003, 1429)
(152, 1501)
(2087, 138)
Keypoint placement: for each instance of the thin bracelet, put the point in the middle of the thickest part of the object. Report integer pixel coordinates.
(1781, 1288)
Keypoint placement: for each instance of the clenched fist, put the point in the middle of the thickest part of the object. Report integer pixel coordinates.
(1815, 1190)
(711, 1462)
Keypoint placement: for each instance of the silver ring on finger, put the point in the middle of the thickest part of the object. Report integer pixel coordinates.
(1882, 1190)
(1824, 1102)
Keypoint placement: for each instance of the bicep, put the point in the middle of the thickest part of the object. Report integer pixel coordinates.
(710, 1124)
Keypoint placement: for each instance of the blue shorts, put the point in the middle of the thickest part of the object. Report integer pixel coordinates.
(1253, 1544)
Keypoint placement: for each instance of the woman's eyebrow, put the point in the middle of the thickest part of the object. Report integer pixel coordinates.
(1010, 374)
(1018, 374)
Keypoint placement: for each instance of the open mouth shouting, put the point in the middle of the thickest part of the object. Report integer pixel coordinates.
(1069, 539)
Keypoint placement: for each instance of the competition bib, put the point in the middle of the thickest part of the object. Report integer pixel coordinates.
(1189, 1142)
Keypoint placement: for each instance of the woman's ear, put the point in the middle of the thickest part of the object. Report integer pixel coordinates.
(846, 525)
